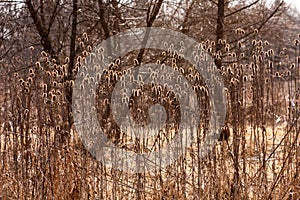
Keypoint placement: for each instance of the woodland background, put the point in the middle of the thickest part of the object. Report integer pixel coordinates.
(255, 44)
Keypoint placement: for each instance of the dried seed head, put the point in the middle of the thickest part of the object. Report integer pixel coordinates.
(260, 58)
(54, 73)
(54, 97)
(85, 53)
(267, 43)
(48, 73)
(260, 43)
(58, 93)
(31, 70)
(44, 86)
(112, 66)
(136, 62)
(89, 48)
(266, 54)
(57, 128)
(44, 54)
(71, 83)
(79, 59)
(226, 49)
(196, 58)
(26, 90)
(26, 111)
(81, 44)
(239, 44)
(229, 70)
(234, 65)
(271, 65)
(175, 67)
(30, 80)
(181, 70)
(118, 61)
(85, 35)
(77, 67)
(21, 81)
(38, 65)
(292, 66)
(197, 76)
(234, 81)
(66, 83)
(267, 80)
(48, 119)
(81, 87)
(259, 48)
(239, 103)
(34, 128)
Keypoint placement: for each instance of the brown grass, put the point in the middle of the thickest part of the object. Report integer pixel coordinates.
(259, 161)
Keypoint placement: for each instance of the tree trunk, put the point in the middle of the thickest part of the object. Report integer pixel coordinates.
(220, 32)
(71, 76)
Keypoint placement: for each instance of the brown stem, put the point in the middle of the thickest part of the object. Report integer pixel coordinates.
(220, 31)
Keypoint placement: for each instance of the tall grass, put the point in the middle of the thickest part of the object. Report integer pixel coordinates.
(39, 159)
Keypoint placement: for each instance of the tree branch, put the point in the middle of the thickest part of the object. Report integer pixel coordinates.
(243, 8)
(271, 15)
(73, 39)
(45, 40)
(186, 17)
(213, 2)
(154, 13)
(151, 16)
(102, 19)
(52, 18)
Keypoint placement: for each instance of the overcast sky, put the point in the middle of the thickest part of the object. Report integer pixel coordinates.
(295, 3)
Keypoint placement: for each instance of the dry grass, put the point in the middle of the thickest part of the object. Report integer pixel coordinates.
(40, 160)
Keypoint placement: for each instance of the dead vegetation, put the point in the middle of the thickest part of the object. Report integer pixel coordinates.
(257, 157)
